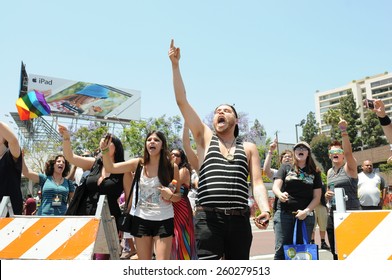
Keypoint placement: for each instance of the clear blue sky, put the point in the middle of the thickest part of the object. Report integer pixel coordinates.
(266, 57)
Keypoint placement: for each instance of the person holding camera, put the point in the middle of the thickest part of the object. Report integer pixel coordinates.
(99, 180)
(378, 106)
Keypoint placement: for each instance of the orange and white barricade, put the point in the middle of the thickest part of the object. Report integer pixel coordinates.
(362, 235)
(57, 237)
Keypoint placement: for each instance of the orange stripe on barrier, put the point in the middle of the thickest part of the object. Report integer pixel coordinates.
(29, 237)
(77, 243)
(354, 229)
(4, 222)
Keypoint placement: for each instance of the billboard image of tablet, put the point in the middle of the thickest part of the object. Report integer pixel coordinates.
(76, 98)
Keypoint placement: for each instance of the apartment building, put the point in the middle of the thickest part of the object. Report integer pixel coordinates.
(374, 87)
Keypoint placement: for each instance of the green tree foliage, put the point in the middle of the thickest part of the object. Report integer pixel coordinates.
(349, 112)
(310, 129)
(36, 157)
(331, 118)
(263, 149)
(372, 133)
(319, 146)
(87, 138)
(134, 136)
(386, 168)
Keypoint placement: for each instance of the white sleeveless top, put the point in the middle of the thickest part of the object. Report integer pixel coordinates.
(151, 206)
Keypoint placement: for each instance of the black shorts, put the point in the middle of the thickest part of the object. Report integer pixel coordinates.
(141, 227)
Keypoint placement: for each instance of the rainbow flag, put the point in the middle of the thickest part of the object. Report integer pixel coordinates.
(32, 105)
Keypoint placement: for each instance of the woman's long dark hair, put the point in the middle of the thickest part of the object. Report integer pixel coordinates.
(49, 166)
(312, 167)
(184, 160)
(165, 169)
(119, 149)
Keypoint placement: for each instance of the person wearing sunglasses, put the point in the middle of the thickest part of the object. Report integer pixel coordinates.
(298, 188)
(342, 174)
(184, 243)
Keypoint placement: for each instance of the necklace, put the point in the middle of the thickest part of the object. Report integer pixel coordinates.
(56, 181)
(229, 156)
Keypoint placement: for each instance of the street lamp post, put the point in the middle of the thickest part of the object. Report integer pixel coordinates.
(296, 128)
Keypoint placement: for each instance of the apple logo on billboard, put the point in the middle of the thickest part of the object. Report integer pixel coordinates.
(34, 80)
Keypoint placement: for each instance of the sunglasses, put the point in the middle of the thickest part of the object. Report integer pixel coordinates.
(336, 152)
(176, 155)
(301, 148)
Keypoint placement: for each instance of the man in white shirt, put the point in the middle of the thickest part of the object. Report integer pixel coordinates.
(371, 188)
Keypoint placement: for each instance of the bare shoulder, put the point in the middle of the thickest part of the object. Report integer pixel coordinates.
(250, 147)
(251, 151)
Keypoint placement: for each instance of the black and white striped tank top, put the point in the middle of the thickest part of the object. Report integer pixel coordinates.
(223, 184)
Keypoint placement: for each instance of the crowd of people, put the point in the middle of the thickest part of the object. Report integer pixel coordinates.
(190, 205)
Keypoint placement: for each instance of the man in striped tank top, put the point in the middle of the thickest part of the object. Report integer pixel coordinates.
(222, 225)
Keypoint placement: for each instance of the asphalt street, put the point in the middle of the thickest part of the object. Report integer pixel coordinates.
(264, 241)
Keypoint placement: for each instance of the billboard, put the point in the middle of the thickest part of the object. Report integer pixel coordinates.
(78, 99)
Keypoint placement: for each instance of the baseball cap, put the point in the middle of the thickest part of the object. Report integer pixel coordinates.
(302, 143)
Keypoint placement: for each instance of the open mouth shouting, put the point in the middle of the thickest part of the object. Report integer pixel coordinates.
(60, 168)
(221, 121)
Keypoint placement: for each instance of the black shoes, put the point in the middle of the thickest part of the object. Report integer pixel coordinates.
(325, 246)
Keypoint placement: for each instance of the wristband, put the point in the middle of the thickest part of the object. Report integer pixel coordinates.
(104, 151)
(66, 139)
(344, 133)
(269, 213)
(385, 120)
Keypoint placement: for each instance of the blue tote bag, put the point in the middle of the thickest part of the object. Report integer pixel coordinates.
(304, 251)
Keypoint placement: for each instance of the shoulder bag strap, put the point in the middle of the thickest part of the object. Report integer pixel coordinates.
(134, 182)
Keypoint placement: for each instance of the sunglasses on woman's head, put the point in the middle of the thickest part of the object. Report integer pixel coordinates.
(336, 152)
(175, 154)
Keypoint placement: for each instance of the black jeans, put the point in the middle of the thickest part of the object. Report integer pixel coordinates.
(222, 236)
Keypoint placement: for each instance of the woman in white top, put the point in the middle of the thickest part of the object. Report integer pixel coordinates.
(152, 225)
